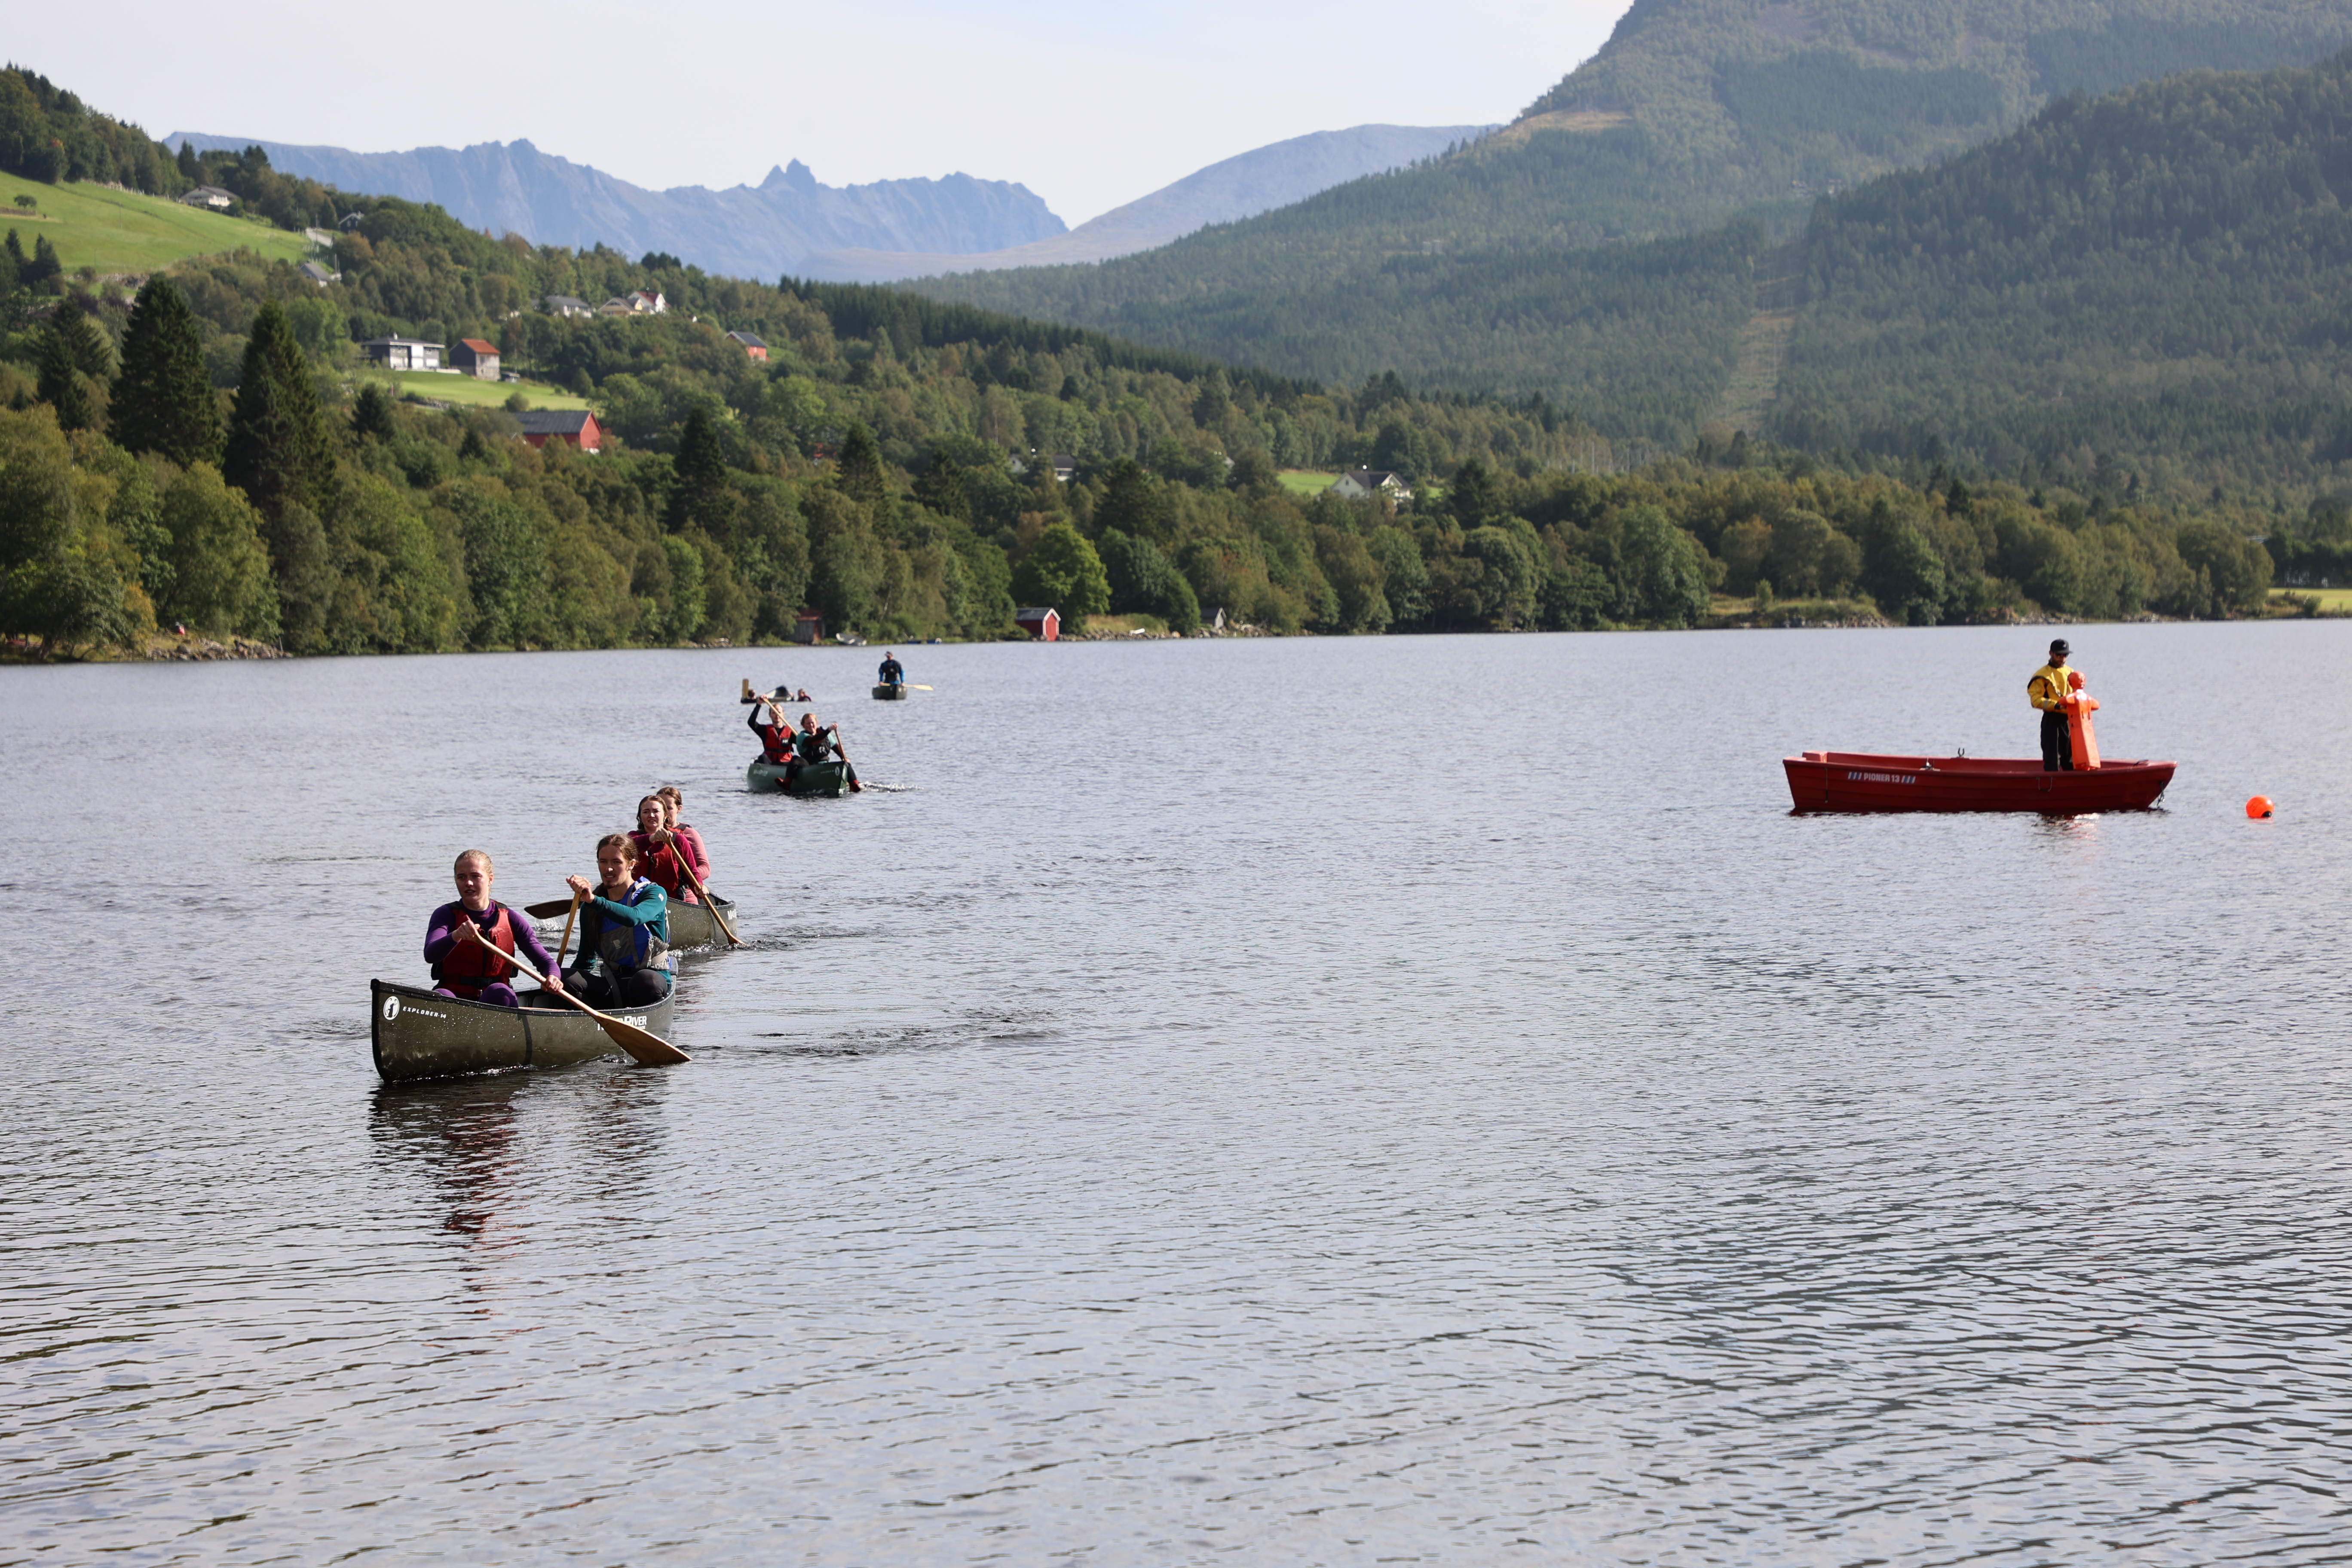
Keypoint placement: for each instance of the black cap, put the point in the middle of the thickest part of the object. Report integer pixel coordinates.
(2059, 647)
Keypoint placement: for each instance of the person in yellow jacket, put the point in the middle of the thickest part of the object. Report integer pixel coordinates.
(2047, 690)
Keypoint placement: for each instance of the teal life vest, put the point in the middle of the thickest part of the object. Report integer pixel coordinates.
(626, 946)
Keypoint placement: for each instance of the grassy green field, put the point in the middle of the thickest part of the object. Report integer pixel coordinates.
(2332, 601)
(121, 231)
(1307, 481)
(471, 394)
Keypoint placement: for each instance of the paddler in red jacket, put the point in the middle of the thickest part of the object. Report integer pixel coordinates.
(468, 942)
(661, 854)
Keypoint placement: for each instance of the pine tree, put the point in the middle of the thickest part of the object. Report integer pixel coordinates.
(701, 469)
(372, 414)
(164, 398)
(278, 452)
(68, 347)
(193, 170)
(858, 470)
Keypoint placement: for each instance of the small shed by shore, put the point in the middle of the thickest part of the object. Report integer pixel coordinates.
(1043, 622)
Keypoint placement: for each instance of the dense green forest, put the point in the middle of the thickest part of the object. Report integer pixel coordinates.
(2154, 283)
(213, 451)
(1470, 271)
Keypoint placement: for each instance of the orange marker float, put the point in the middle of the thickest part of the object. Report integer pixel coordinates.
(2080, 704)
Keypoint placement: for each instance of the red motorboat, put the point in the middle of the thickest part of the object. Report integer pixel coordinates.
(1868, 781)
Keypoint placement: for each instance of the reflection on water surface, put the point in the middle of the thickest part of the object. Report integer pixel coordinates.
(1325, 1101)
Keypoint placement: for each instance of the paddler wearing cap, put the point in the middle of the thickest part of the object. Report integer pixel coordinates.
(2047, 690)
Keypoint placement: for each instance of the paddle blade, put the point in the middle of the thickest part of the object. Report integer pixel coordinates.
(547, 910)
(649, 1048)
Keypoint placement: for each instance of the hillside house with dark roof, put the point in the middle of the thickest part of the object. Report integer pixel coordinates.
(573, 428)
(403, 354)
(477, 358)
(751, 346)
(567, 305)
(1357, 483)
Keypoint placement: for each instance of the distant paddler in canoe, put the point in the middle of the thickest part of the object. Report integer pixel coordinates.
(802, 762)
(472, 942)
(890, 680)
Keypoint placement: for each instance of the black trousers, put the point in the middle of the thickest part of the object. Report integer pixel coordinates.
(636, 988)
(2057, 743)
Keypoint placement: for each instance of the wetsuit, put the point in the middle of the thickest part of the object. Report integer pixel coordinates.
(623, 949)
(892, 674)
(441, 941)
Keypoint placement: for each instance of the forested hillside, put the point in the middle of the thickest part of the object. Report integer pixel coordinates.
(216, 453)
(1694, 110)
(2149, 289)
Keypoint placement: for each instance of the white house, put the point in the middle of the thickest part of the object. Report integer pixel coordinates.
(211, 196)
(403, 354)
(1357, 483)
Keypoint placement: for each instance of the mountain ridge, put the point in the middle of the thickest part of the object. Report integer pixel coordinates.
(1224, 192)
(748, 231)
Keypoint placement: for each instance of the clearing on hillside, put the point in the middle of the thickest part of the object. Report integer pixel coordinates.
(432, 386)
(123, 231)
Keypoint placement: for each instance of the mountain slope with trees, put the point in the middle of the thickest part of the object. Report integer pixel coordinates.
(214, 452)
(1694, 110)
(2147, 289)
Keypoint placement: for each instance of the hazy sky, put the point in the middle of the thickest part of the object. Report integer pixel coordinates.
(1089, 105)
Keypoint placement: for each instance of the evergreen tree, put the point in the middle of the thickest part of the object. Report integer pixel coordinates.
(372, 414)
(858, 470)
(163, 397)
(278, 450)
(69, 346)
(941, 488)
(701, 470)
(190, 169)
(44, 266)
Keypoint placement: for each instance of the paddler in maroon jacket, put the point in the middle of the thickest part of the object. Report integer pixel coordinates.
(2047, 689)
(469, 943)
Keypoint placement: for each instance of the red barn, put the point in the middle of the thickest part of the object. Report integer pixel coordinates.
(1043, 623)
(750, 345)
(577, 427)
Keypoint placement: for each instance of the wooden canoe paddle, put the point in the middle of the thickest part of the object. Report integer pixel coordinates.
(565, 945)
(648, 1048)
(709, 902)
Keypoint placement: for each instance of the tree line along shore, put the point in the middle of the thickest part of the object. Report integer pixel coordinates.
(208, 447)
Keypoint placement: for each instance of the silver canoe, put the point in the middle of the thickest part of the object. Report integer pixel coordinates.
(417, 1035)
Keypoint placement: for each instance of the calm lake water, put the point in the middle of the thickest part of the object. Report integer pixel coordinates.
(1254, 1102)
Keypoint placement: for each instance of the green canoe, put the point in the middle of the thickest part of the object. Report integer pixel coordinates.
(417, 1035)
(814, 778)
(889, 694)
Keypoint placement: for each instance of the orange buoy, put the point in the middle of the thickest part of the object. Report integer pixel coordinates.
(2260, 806)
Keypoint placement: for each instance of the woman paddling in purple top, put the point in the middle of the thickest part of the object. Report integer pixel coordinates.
(470, 944)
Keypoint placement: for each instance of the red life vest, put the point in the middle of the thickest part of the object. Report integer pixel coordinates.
(469, 966)
(662, 866)
(776, 745)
